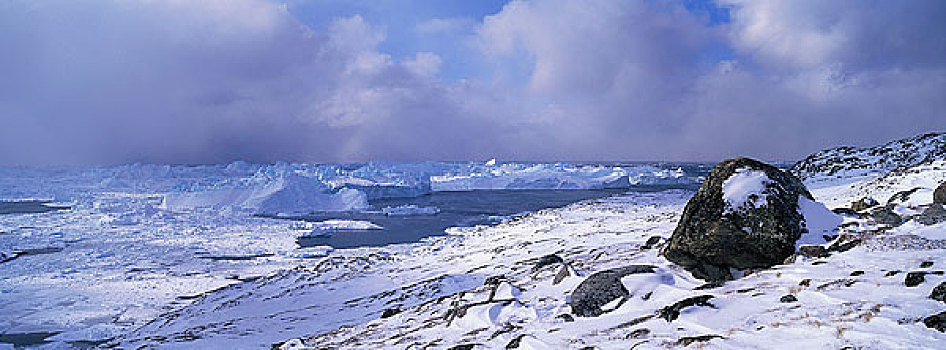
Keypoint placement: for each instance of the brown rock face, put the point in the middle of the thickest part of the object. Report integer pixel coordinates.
(712, 237)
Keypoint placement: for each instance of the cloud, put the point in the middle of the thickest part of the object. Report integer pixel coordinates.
(215, 81)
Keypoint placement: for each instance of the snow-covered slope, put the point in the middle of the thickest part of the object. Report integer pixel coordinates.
(852, 162)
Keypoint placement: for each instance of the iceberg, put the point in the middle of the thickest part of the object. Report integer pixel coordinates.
(409, 209)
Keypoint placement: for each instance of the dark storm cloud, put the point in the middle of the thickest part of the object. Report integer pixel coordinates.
(215, 81)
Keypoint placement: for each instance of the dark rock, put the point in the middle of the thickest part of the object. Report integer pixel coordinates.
(914, 279)
(547, 260)
(937, 321)
(651, 242)
(671, 312)
(708, 285)
(939, 195)
(711, 237)
(892, 273)
(390, 312)
(902, 196)
(788, 298)
(933, 215)
(566, 318)
(843, 244)
(926, 264)
(805, 282)
(857, 273)
(601, 288)
(886, 216)
(939, 293)
(864, 203)
(686, 341)
(638, 333)
(514, 343)
(494, 280)
(462, 347)
(813, 251)
(560, 276)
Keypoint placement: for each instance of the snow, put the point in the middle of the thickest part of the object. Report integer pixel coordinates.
(745, 186)
(353, 225)
(819, 222)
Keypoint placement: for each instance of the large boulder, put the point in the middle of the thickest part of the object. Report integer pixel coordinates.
(745, 215)
(939, 195)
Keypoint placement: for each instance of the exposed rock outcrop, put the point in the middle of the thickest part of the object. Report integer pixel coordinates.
(745, 215)
(939, 195)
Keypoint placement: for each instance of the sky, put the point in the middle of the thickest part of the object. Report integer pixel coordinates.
(213, 81)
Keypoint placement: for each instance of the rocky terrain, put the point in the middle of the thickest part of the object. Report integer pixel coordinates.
(596, 274)
(851, 162)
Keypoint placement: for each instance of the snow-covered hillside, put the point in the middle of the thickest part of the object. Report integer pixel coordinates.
(852, 162)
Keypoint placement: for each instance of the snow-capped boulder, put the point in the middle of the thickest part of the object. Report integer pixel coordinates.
(747, 214)
(939, 195)
(602, 288)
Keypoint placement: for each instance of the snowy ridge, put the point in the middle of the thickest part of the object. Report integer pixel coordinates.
(852, 162)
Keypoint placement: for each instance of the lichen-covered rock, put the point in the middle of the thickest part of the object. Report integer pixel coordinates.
(933, 215)
(601, 288)
(750, 224)
(939, 195)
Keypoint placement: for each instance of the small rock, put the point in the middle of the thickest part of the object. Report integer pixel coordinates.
(462, 347)
(937, 321)
(601, 288)
(651, 242)
(547, 260)
(857, 273)
(788, 298)
(914, 279)
(566, 317)
(390, 312)
(686, 341)
(902, 196)
(843, 244)
(514, 343)
(805, 282)
(494, 280)
(638, 333)
(926, 264)
(933, 215)
(864, 203)
(813, 251)
(844, 211)
(939, 293)
(671, 312)
(886, 216)
(708, 285)
(939, 195)
(891, 273)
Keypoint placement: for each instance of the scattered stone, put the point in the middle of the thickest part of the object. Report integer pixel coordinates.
(462, 347)
(708, 285)
(886, 216)
(601, 288)
(914, 279)
(686, 341)
(638, 333)
(651, 242)
(514, 343)
(937, 321)
(547, 260)
(566, 317)
(857, 273)
(805, 282)
(926, 264)
(864, 203)
(891, 273)
(788, 298)
(939, 195)
(939, 293)
(813, 251)
(933, 215)
(845, 211)
(902, 196)
(712, 236)
(390, 312)
(560, 276)
(671, 312)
